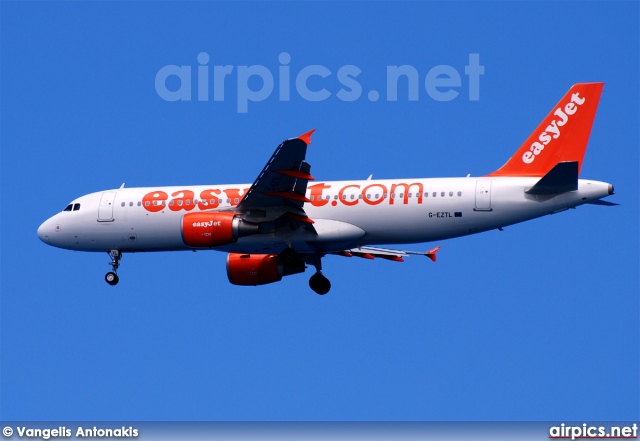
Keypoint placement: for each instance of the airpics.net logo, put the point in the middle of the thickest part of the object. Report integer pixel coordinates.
(313, 83)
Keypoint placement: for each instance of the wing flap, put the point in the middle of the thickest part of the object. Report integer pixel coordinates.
(385, 253)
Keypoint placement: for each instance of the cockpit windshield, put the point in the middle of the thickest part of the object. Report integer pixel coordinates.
(72, 207)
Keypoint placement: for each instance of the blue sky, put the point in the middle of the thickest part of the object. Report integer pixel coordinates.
(538, 322)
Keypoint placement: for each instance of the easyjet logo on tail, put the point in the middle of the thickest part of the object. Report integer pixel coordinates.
(554, 128)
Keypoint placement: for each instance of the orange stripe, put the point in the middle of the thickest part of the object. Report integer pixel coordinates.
(287, 195)
(300, 218)
(363, 255)
(296, 174)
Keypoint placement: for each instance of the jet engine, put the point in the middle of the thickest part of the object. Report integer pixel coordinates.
(212, 229)
(260, 269)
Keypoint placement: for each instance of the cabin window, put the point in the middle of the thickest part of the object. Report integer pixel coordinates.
(146, 203)
(459, 193)
(235, 200)
(393, 195)
(131, 204)
(139, 203)
(122, 204)
(352, 196)
(360, 196)
(450, 193)
(435, 194)
(442, 194)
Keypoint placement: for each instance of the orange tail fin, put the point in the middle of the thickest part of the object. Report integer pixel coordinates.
(561, 136)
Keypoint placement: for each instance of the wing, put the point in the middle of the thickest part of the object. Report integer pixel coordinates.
(384, 253)
(281, 186)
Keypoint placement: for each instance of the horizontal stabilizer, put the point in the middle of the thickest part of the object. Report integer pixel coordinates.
(431, 254)
(603, 203)
(560, 179)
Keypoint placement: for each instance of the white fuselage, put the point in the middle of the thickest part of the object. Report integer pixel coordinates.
(346, 213)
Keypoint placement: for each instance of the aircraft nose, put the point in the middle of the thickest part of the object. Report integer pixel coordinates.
(45, 231)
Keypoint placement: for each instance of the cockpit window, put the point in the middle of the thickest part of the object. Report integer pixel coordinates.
(72, 207)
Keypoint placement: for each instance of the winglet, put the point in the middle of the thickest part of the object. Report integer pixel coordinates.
(431, 254)
(306, 138)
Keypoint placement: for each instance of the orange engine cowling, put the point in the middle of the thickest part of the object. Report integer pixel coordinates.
(253, 269)
(260, 269)
(212, 229)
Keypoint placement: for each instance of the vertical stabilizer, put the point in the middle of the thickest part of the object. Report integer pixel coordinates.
(561, 137)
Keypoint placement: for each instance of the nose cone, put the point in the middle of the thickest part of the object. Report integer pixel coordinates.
(46, 231)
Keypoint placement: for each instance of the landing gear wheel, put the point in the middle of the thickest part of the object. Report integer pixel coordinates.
(111, 278)
(320, 284)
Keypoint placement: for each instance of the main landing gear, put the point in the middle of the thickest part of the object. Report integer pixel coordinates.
(294, 263)
(318, 282)
(112, 277)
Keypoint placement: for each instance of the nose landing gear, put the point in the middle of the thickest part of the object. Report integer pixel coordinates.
(112, 277)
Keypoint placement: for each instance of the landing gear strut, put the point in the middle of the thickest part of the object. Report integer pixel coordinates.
(112, 277)
(318, 282)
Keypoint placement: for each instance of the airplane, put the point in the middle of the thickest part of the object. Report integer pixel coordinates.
(285, 220)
